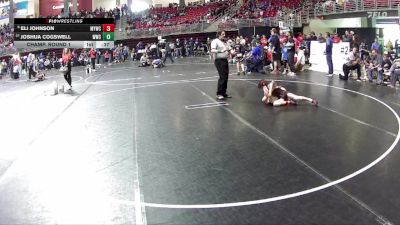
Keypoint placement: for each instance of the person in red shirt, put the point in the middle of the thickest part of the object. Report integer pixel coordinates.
(92, 54)
(264, 41)
(300, 37)
(106, 57)
(66, 61)
(336, 39)
(16, 62)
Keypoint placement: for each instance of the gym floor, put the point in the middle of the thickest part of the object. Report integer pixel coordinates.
(136, 145)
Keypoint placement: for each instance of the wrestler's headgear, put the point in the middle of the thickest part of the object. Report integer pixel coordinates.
(262, 83)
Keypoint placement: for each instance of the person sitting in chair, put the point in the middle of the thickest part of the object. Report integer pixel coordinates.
(353, 63)
(394, 73)
(375, 65)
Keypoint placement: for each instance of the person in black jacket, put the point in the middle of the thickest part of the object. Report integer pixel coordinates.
(168, 53)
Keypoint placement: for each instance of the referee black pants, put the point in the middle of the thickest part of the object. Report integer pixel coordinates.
(223, 72)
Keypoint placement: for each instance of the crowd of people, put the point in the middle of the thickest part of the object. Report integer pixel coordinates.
(6, 38)
(175, 15)
(286, 53)
(281, 52)
(370, 62)
(165, 17)
(97, 13)
(254, 9)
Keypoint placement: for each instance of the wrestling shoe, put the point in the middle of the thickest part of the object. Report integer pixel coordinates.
(220, 97)
(227, 96)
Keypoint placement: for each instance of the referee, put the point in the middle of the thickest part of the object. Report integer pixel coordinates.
(219, 48)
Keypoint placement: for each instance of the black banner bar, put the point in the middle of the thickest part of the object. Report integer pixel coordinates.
(63, 44)
(58, 36)
(38, 21)
(40, 28)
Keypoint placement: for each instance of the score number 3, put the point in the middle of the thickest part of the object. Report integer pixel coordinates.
(108, 27)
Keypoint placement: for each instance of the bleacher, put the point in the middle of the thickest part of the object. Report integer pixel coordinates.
(171, 16)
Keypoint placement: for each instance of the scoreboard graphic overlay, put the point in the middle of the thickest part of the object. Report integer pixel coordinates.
(64, 33)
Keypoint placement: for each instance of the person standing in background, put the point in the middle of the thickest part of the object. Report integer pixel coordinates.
(98, 55)
(168, 53)
(92, 55)
(106, 57)
(376, 46)
(220, 49)
(239, 57)
(328, 51)
(290, 53)
(276, 50)
(178, 49)
(66, 60)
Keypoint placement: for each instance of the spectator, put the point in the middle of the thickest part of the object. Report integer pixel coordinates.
(389, 46)
(375, 65)
(376, 46)
(364, 50)
(168, 53)
(301, 60)
(328, 52)
(313, 37)
(353, 63)
(92, 54)
(356, 41)
(144, 60)
(106, 57)
(348, 37)
(276, 49)
(394, 73)
(264, 41)
(178, 49)
(290, 53)
(336, 38)
(321, 39)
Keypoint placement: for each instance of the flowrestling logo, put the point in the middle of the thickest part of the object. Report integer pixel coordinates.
(54, 7)
(62, 6)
